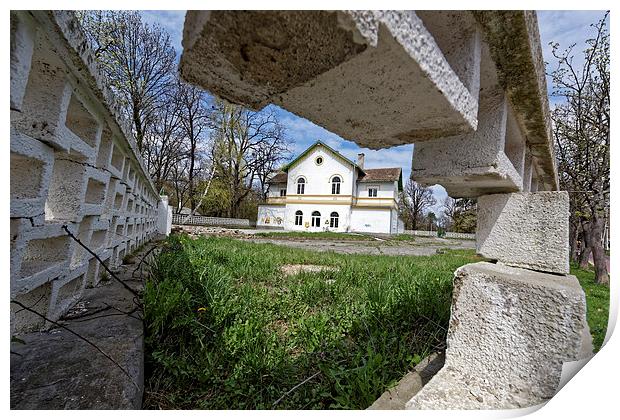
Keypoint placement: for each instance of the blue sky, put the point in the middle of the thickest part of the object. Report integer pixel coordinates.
(565, 27)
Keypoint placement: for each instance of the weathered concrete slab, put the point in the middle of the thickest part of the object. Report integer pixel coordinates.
(397, 397)
(375, 77)
(528, 230)
(513, 39)
(510, 332)
(477, 163)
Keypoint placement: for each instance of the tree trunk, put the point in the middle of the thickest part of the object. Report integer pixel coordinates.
(584, 257)
(601, 275)
(574, 242)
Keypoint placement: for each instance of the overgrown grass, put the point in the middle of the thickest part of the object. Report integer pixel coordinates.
(225, 328)
(317, 235)
(597, 300)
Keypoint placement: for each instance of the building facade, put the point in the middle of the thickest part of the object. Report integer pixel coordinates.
(321, 190)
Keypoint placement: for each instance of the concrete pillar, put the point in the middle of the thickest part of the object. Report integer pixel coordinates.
(164, 216)
(22, 44)
(527, 171)
(510, 332)
(528, 230)
(476, 163)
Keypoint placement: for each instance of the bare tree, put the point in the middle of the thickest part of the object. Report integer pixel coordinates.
(581, 130)
(460, 214)
(138, 60)
(415, 199)
(246, 145)
(163, 146)
(195, 121)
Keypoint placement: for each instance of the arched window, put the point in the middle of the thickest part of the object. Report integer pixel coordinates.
(316, 219)
(299, 216)
(301, 186)
(336, 185)
(333, 220)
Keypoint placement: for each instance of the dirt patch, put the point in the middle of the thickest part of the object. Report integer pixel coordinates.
(293, 269)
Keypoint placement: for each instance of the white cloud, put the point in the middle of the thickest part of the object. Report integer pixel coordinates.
(172, 21)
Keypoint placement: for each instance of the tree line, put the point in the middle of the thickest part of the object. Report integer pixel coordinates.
(207, 155)
(581, 137)
(456, 214)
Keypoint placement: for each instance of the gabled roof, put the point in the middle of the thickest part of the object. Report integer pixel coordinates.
(365, 175)
(316, 144)
(383, 175)
(279, 178)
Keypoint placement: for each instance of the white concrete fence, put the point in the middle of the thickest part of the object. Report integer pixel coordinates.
(184, 219)
(448, 235)
(74, 163)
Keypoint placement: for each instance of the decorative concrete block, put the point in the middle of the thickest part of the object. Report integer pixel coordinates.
(66, 291)
(46, 99)
(66, 138)
(31, 169)
(510, 332)
(477, 163)
(380, 62)
(22, 45)
(44, 252)
(528, 230)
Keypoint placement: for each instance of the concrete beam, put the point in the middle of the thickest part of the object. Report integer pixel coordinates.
(528, 230)
(510, 332)
(477, 163)
(514, 43)
(378, 78)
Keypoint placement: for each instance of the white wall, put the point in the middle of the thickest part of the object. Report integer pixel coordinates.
(384, 189)
(344, 214)
(371, 220)
(318, 176)
(274, 189)
(74, 163)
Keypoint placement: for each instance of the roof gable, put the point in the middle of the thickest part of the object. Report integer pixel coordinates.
(316, 144)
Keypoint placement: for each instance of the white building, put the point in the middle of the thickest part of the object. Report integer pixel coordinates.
(321, 190)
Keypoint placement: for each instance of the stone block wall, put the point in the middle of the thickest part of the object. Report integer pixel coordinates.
(73, 163)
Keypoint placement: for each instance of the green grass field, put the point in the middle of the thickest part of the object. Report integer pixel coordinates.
(225, 328)
(597, 301)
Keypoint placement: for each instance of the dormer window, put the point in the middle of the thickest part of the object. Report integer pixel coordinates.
(282, 192)
(301, 186)
(372, 191)
(336, 185)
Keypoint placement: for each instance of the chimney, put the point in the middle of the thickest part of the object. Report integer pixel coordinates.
(360, 160)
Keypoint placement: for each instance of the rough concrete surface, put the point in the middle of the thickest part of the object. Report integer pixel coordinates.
(54, 369)
(73, 163)
(397, 397)
(510, 332)
(472, 164)
(380, 62)
(528, 230)
(514, 43)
